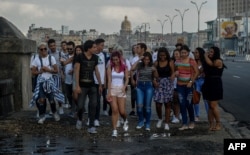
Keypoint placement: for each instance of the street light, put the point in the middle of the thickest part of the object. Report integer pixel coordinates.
(162, 25)
(171, 23)
(198, 10)
(145, 26)
(182, 16)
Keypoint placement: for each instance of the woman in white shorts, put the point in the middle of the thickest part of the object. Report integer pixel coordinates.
(117, 74)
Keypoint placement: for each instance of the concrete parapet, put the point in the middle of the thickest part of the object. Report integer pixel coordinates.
(15, 53)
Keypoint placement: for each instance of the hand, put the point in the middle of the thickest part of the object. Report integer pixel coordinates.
(189, 85)
(141, 57)
(124, 90)
(78, 90)
(156, 84)
(100, 89)
(133, 83)
(176, 73)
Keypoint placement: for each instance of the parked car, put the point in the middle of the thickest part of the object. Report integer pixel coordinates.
(230, 53)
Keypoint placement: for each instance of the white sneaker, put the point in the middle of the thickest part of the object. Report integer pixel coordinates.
(159, 123)
(92, 130)
(41, 120)
(56, 117)
(105, 113)
(166, 126)
(67, 106)
(37, 114)
(118, 124)
(114, 133)
(61, 111)
(87, 122)
(96, 123)
(175, 120)
(125, 125)
(78, 124)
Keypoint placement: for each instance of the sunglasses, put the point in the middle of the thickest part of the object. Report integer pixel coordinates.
(69, 49)
(43, 49)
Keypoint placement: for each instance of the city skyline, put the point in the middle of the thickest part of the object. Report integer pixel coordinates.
(106, 16)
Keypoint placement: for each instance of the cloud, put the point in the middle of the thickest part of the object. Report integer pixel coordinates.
(118, 12)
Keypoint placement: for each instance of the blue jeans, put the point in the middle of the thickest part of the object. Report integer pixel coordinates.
(144, 97)
(185, 97)
(42, 105)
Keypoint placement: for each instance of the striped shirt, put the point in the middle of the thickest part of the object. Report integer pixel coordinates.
(185, 71)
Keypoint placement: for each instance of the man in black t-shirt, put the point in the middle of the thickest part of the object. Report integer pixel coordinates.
(85, 65)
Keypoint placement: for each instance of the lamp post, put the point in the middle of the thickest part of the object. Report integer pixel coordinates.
(145, 27)
(198, 10)
(182, 16)
(171, 24)
(162, 25)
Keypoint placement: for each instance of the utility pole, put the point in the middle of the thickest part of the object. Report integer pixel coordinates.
(171, 24)
(198, 10)
(145, 28)
(162, 25)
(182, 17)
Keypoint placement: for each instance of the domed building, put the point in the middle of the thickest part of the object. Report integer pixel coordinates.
(125, 26)
(125, 33)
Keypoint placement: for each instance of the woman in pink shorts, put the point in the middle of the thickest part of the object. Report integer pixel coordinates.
(117, 74)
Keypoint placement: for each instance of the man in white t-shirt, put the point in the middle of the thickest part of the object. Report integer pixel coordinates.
(102, 69)
(45, 66)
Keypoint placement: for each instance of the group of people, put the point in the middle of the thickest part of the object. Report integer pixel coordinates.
(70, 76)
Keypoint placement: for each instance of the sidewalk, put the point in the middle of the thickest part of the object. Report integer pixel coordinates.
(67, 139)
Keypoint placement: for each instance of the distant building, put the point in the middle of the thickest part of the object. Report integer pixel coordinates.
(125, 33)
(231, 8)
(65, 30)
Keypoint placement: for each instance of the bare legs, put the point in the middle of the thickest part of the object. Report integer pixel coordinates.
(214, 116)
(167, 111)
(118, 107)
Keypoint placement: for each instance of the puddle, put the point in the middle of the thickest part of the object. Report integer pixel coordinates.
(30, 144)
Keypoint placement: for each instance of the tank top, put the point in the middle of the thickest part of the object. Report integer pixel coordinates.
(163, 71)
(117, 78)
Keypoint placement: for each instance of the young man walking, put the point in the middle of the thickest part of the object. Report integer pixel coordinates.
(85, 64)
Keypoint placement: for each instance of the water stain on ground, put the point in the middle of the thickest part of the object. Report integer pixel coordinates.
(22, 135)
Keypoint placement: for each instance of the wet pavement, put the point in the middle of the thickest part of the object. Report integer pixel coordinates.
(20, 134)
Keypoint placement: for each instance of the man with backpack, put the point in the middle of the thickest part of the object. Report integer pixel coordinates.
(58, 75)
(45, 66)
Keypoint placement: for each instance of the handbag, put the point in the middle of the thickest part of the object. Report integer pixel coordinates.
(196, 97)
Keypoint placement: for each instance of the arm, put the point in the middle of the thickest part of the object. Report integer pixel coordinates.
(194, 75)
(217, 63)
(97, 74)
(172, 68)
(67, 61)
(126, 73)
(76, 73)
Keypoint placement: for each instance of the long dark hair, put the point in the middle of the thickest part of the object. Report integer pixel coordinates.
(217, 55)
(165, 51)
(147, 54)
(201, 54)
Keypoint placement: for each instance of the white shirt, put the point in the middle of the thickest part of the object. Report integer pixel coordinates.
(68, 72)
(117, 79)
(37, 63)
(154, 56)
(101, 67)
(136, 58)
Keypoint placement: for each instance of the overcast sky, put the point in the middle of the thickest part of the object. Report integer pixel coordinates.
(106, 15)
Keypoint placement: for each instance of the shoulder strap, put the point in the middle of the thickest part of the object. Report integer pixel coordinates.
(60, 54)
(49, 60)
(41, 61)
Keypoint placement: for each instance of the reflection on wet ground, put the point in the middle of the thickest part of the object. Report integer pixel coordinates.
(30, 144)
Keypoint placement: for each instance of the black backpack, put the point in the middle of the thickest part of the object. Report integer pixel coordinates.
(34, 78)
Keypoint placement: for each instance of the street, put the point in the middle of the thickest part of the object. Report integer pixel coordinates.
(236, 90)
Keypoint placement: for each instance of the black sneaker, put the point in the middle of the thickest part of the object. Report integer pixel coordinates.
(132, 113)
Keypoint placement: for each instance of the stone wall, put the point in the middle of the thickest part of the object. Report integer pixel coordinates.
(15, 53)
